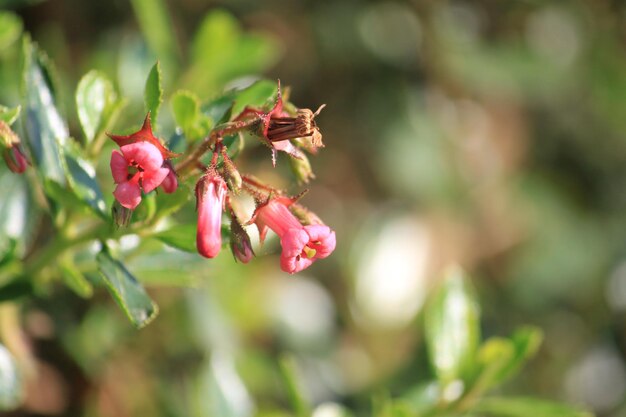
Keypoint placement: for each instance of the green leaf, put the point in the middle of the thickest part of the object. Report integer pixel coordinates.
(258, 94)
(181, 237)
(525, 343)
(8, 115)
(186, 109)
(525, 407)
(10, 381)
(452, 327)
(75, 280)
(126, 290)
(15, 290)
(289, 373)
(14, 210)
(96, 102)
(157, 28)
(153, 93)
(10, 29)
(45, 129)
(81, 176)
(221, 45)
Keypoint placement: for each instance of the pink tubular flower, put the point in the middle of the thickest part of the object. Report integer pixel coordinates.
(138, 166)
(210, 195)
(302, 245)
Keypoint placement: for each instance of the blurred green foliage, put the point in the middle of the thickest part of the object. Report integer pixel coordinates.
(490, 135)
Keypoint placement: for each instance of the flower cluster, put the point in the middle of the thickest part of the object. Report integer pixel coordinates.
(143, 164)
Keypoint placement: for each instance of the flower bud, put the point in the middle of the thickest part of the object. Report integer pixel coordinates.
(240, 241)
(231, 173)
(15, 159)
(301, 168)
(121, 214)
(210, 195)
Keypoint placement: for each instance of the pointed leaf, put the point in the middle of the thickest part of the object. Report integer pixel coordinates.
(10, 382)
(76, 281)
(257, 95)
(153, 93)
(525, 407)
(526, 342)
(186, 109)
(45, 129)
(126, 290)
(452, 327)
(8, 115)
(95, 100)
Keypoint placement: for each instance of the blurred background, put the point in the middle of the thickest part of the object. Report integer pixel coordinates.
(482, 133)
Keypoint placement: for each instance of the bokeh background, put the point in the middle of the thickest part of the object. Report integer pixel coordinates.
(481, 133)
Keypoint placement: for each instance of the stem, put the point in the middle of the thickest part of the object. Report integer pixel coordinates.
(191, 161)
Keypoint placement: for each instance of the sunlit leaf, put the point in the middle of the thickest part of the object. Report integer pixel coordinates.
(452, 327)
(153, 93)
(126, 290)
(186, 109)
(81, 176)
(45, 129)
(10, 28)
(181, 237)
(257, 95)
(96, 102)
(14, 211)
(525, 407)
(10, 381)
(9, 115)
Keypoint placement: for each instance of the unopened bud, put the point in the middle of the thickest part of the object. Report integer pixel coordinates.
(15, 159)
(231, 173)
(304, 215)
(121, 215)
(301, 168)
(240, 243)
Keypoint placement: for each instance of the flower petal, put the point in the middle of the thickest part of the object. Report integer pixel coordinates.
(152, 179)
(323, 240)
(119, 167)
(144, 154)
(128, 194)
(293, 264)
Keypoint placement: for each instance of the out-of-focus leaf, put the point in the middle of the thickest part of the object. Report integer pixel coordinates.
(14, 210)
(157, 28)
(81, 176)
(97, 104)
(423, 397)
(220, 391)
(220, 108)
(75, 280)
(186, 109)
(170, 203)
(15, 290)
(525, 407)
(525, 343)
(331, 410)
(181, 237)
(260, 93)
(10, 28)
(220, 45)
(126, 290)
(297, 399)
(153, 93)
(8, 115)
(10, 381)
(452, 327)
(46, 131)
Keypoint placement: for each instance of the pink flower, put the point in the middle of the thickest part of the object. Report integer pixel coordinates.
(210, 195)
(170, 183)
(15, 159)
(138, 166)
(302, 245)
